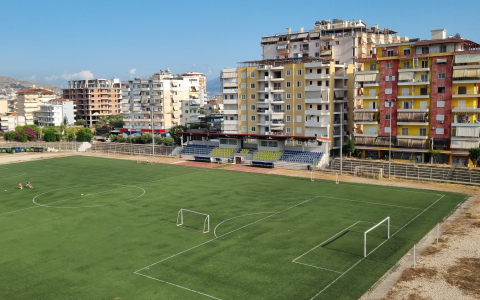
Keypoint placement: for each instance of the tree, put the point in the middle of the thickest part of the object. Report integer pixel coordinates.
(65, 120)
(474, 154)
(168, 141)
(173, 132)
(35, 128)
(22, 137)
(137, 139)
(147, 138)
(80, 122)
(9, 136)
(434, 154)
(50, 134)
(201, 111)
(158, 139)
(30, 134)
(349, 147)
(84, 135)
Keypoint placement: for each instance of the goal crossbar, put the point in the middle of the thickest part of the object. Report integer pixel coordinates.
(359, 170)
(387, 219)
(206, 222)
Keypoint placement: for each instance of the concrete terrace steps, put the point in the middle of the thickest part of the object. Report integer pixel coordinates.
(414, 171)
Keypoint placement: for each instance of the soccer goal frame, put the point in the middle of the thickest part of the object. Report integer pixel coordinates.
(312, 177)
(140, 156)
(206, 223)
(387, 219)
(373, 172)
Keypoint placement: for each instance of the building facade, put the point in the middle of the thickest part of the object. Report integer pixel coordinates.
(56, 112)
(428, 92)
(29, 100)
(9, 121)
(171, 99)
(302, 97)
(94, 98)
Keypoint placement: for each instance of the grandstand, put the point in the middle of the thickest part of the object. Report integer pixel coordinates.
(304, 157)
(267, 155)
(222, 152)
(192, 149)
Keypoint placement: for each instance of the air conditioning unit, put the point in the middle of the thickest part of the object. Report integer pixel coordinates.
(432, 128)
(384, 48)
(412, 46)
(441, 122)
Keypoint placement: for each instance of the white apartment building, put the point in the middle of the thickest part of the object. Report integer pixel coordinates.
(28, 102)
(171, 99)
(10, 121)
(229, 82)
(56, 113)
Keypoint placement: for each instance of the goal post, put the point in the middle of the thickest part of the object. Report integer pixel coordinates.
(369, 172)
(206, 221)
(387, 219)
(140, 155)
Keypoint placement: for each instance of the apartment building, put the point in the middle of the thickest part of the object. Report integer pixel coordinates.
(172, 99)
(94, 98)
(305, 96)
(428, 91)
(56, 112)
(9, 121)
(4, 106)
(12, 105)
(29, 100)
(338, 40)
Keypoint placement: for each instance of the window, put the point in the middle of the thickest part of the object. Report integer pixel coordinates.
(299, 83)
(440, 131)
(337, 62)
(252, 85)
(425, 50)
(289, 129)
(424, 63)
(299, 142)
(288, 96)
(387, 130)
(462, 90)
(387, 117)
(299, 129)
(319, 83)
(388, 91)
(299, 107)
(244, 74)
(337, 43)
(288, 107)
(294, 46)
(244, 97)
(299, 118)
(299, 95)
(288, 84)
(441, 118)
(440, 103)
(441, 76)
(443, 48)
(288, 72)
(186, 111)
(243, 86)
(252, 107)
(424, 78)
(288, 118)
(244, 118)
(317, 44)
(277, 57)
(441, 90)
(252, 74)
(253, 128)
(389, 78)
(299, 72)
(423, 91)
(319, 71)
(389, 65)
(244, 128)
(423, 131)
(317, 54)
(404, 131)
(252, 118)
(406, 51)
(252, 96)
(373, 67)
(407, 105)
(244, 107)
(286, 56)
(406, 65)
(388, 104)
(390, 53)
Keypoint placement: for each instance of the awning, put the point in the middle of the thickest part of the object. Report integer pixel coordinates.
(270, 39)
(364, 140)
(302, 36)
(468, 131)
(125, 101)
(464, 144)
(441, 142)
(406, 76)
(467, 58)
(366, 77)
(314, 34)
(325, 96)
(384, 141)
(360, 78)
(472, 73)
(339, 94)
(458, 73)
(441, 60)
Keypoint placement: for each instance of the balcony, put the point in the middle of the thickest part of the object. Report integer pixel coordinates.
(325, 53)
(466, 109)
(369, 134)
(230, 91)
(230, 122)
(312, 112)
(363, 117)
(365, 110)
(230, 112)
(413, 110)
(317, 76)
(315, 124)
(466, 95)
(315, 88)
(316, 101)
(413, 82)
(366, 97)
(413, 96)
(229, 101)
(401, 69)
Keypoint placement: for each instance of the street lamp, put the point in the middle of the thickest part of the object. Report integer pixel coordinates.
(152, 105)
(390, 104)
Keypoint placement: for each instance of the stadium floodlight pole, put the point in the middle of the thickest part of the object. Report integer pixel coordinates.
(341, 140)
(152, 105)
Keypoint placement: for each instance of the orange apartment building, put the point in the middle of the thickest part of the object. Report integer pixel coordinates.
(94, 98)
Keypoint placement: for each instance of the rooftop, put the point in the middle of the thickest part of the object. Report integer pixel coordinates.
(35, 91)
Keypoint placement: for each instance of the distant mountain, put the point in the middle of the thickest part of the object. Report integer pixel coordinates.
(214, 87)
(12, 84)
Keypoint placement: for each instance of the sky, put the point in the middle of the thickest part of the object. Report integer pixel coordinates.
(53, 41)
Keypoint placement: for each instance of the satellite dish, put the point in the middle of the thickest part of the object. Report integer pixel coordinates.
(457, 36)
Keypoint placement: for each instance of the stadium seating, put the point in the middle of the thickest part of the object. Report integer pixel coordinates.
(305, 157)
(267, 155)
(222, 152)
(263, 164)
(245, 151)
(191, 149)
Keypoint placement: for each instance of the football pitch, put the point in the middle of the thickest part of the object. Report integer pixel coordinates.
(99, 228)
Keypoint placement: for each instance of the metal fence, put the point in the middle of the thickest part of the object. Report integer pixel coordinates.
(132, 149)
(60, 146)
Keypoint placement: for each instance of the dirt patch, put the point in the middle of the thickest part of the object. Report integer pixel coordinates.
(434, 249)
(198, 164)
(248, 169)
(465, 275)
(412, 274)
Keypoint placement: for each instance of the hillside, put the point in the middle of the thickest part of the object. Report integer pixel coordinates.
(12, 84)
(214, 87)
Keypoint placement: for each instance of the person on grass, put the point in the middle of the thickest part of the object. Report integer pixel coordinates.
(147, 161)
(29, 185)
(20, 186)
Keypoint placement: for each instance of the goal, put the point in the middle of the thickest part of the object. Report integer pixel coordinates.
(387, 219)
(206, 221)
(312, 176)
(140, 156)
(369, 172)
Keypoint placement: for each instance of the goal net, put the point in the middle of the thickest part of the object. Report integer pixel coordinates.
(377, 231)
(368, 172)
(312, 176)
(193, 220)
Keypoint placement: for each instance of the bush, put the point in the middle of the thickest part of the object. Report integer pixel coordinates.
(31, 135)
(168, 141)
(22, 137)
(84, 135)
(50, 134)
(158, 139)
(137, 139)
(34, 128)
(80, 122)
(121, 138)
(114, 138)
(9, 136)
(147, 138)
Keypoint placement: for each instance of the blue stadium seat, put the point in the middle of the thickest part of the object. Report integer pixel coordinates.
(305, 157)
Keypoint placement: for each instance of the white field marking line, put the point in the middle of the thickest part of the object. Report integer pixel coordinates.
(225, 234)
(333, 236)
(13, 176)
(376, 248)
(214, 230)
(384, 204)
(179, 286)
(142, 183)
(48, 204)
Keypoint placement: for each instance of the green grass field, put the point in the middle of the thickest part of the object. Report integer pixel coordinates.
(271, 237)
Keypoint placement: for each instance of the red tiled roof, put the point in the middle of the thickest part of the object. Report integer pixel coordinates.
(35, 91)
